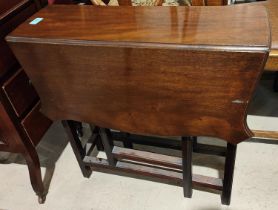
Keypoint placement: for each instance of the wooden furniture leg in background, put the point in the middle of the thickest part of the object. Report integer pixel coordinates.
(228, 174)
(187, 166)
(79, 129)
(148, 165)
(98, 140)
(275, 84)
(70, 128)
(195, 143)
(107, 142)
(126, 142)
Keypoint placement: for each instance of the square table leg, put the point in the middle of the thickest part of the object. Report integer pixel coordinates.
(187, 166)
(76, 145)
(275, 84)
(108, 145)
(228, 174)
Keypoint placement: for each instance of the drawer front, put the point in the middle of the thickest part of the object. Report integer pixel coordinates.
(36, 124)
(20, 93)
(7, 59)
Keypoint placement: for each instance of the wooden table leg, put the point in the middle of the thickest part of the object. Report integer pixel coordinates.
(127, 143)
(99, 144)
(79, 129)
(195, 143)
(228, 174)
(34, 168)
(108, 145)
(78, 150)
(187, 166)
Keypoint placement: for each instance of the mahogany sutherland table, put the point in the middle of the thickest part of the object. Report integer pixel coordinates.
(168, 71)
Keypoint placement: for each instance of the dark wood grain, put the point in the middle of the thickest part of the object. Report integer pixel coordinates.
(164, 25)
(21, 100)
(145, 76)
(35, 124)
(7, 59)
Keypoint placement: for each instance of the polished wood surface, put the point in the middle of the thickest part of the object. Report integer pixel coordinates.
(173, 25)
(35, 124)
(7, 59)
(144, 75)
(22, 100)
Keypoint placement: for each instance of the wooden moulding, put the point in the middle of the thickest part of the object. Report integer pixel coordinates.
(272, 61)
(149, 165)
(273, 135)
